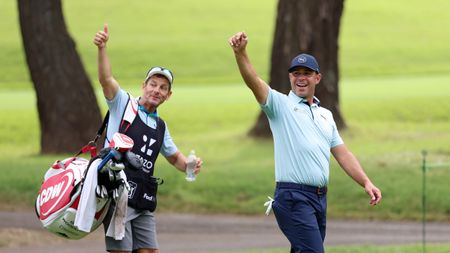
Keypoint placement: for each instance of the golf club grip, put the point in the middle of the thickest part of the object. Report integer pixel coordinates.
(108, 157)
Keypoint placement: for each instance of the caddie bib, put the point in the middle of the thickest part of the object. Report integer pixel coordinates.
(147, 142)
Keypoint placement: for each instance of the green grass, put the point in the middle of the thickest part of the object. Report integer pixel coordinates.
(394, 37)
(238, 171)
(414, 248)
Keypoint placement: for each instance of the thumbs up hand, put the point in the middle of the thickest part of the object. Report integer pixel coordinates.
(101, 37)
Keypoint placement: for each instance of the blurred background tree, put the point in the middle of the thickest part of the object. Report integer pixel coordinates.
(69, 115)
(304, 26)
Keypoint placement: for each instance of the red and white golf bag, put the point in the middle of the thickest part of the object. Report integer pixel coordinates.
(76, 193)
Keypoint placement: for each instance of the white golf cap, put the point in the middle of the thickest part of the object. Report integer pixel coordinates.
(160, 71)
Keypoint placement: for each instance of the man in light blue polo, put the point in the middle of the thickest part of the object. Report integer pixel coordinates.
(151, 137)
(304, 135)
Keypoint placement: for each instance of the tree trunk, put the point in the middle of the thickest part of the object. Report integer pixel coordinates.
(68, 111)
(305, 26)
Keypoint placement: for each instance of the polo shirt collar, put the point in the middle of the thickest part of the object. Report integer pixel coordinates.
(296, 99)
(147, 113)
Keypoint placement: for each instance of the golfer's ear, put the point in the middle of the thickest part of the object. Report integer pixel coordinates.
(319, 77)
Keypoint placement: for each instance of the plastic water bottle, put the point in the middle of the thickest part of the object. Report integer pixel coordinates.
(190, 166)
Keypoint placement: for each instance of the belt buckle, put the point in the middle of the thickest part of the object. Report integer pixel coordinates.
(319, 191)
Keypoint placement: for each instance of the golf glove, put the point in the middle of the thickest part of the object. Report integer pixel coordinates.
(269, 205)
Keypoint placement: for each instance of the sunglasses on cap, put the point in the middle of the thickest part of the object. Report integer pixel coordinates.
(161, 71)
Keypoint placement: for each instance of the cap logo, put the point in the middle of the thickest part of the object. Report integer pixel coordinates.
(302, 59)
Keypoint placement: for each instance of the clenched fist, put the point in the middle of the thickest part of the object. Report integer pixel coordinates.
(238, 42)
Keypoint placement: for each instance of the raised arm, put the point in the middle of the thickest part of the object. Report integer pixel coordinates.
(351, 166)
(260, 89)
(109, 84)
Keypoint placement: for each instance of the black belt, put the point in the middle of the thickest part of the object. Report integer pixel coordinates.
(308, 188)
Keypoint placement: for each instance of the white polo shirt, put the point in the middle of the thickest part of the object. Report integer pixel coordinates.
(303, 136)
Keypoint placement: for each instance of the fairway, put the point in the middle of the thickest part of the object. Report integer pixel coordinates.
(387, 136)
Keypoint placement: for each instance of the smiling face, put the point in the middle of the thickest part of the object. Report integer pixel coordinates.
(155, 91)
(304, 81)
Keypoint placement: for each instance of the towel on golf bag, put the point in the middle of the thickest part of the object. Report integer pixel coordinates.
(116, 228)
(58, 201)
(85, 215)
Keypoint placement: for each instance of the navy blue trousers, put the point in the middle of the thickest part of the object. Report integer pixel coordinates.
(300, 211)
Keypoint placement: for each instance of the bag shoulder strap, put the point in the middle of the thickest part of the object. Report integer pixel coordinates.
(91, 147)
(129, 114)
(102, 127)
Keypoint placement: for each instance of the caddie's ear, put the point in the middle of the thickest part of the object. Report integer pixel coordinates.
(169, 94)
(145, 82)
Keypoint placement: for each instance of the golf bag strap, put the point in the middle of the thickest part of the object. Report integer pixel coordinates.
(91, 147)
(128, 116)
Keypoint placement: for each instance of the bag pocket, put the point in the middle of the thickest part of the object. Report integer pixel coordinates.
(143, 191)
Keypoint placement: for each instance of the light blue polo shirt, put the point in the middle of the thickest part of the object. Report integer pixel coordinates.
(116, 108)
(303, 136)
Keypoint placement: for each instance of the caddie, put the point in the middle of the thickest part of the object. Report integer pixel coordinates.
(150, 135)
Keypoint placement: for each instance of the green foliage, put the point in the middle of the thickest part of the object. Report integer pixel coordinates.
(377, 38)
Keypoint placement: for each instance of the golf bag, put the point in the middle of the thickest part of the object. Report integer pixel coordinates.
(76, 193)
